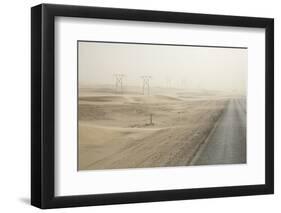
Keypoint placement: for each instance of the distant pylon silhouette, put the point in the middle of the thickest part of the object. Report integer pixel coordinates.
(145, 84)
(119, 82)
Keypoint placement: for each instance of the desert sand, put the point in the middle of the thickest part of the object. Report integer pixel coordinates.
(132, 130)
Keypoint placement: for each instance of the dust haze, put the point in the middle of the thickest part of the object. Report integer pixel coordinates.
(144, 105)
(223, 69)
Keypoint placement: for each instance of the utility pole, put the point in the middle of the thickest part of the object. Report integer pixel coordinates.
(145, 84)
(119, 82)
(151, 123)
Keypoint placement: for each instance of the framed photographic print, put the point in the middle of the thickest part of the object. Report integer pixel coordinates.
(139, 106)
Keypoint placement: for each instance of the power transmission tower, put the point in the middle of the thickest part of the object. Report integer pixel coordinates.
(145, 84)
(183, 84)
(119, 82)
(168, 83)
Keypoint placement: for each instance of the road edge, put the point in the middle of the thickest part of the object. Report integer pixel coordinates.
(203, 144)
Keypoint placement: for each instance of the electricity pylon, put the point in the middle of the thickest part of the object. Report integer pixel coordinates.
(145, 84)
(119, 82)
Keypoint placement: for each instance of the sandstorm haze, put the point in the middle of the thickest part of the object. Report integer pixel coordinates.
(192, 111)
(188, 67)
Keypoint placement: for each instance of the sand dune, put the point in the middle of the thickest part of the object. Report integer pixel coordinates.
(115, 130)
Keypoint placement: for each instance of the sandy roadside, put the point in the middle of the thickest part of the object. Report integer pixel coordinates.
(115, 130)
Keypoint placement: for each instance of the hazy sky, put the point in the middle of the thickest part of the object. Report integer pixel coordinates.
(191, 67)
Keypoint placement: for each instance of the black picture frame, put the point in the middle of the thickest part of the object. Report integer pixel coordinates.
(43, 105)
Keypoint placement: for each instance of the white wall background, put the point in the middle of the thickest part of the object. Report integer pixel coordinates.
(15, 105)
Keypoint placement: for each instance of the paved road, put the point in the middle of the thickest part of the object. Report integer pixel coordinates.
(227, 142)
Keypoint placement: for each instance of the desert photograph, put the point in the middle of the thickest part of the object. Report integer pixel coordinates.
(160, 105)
